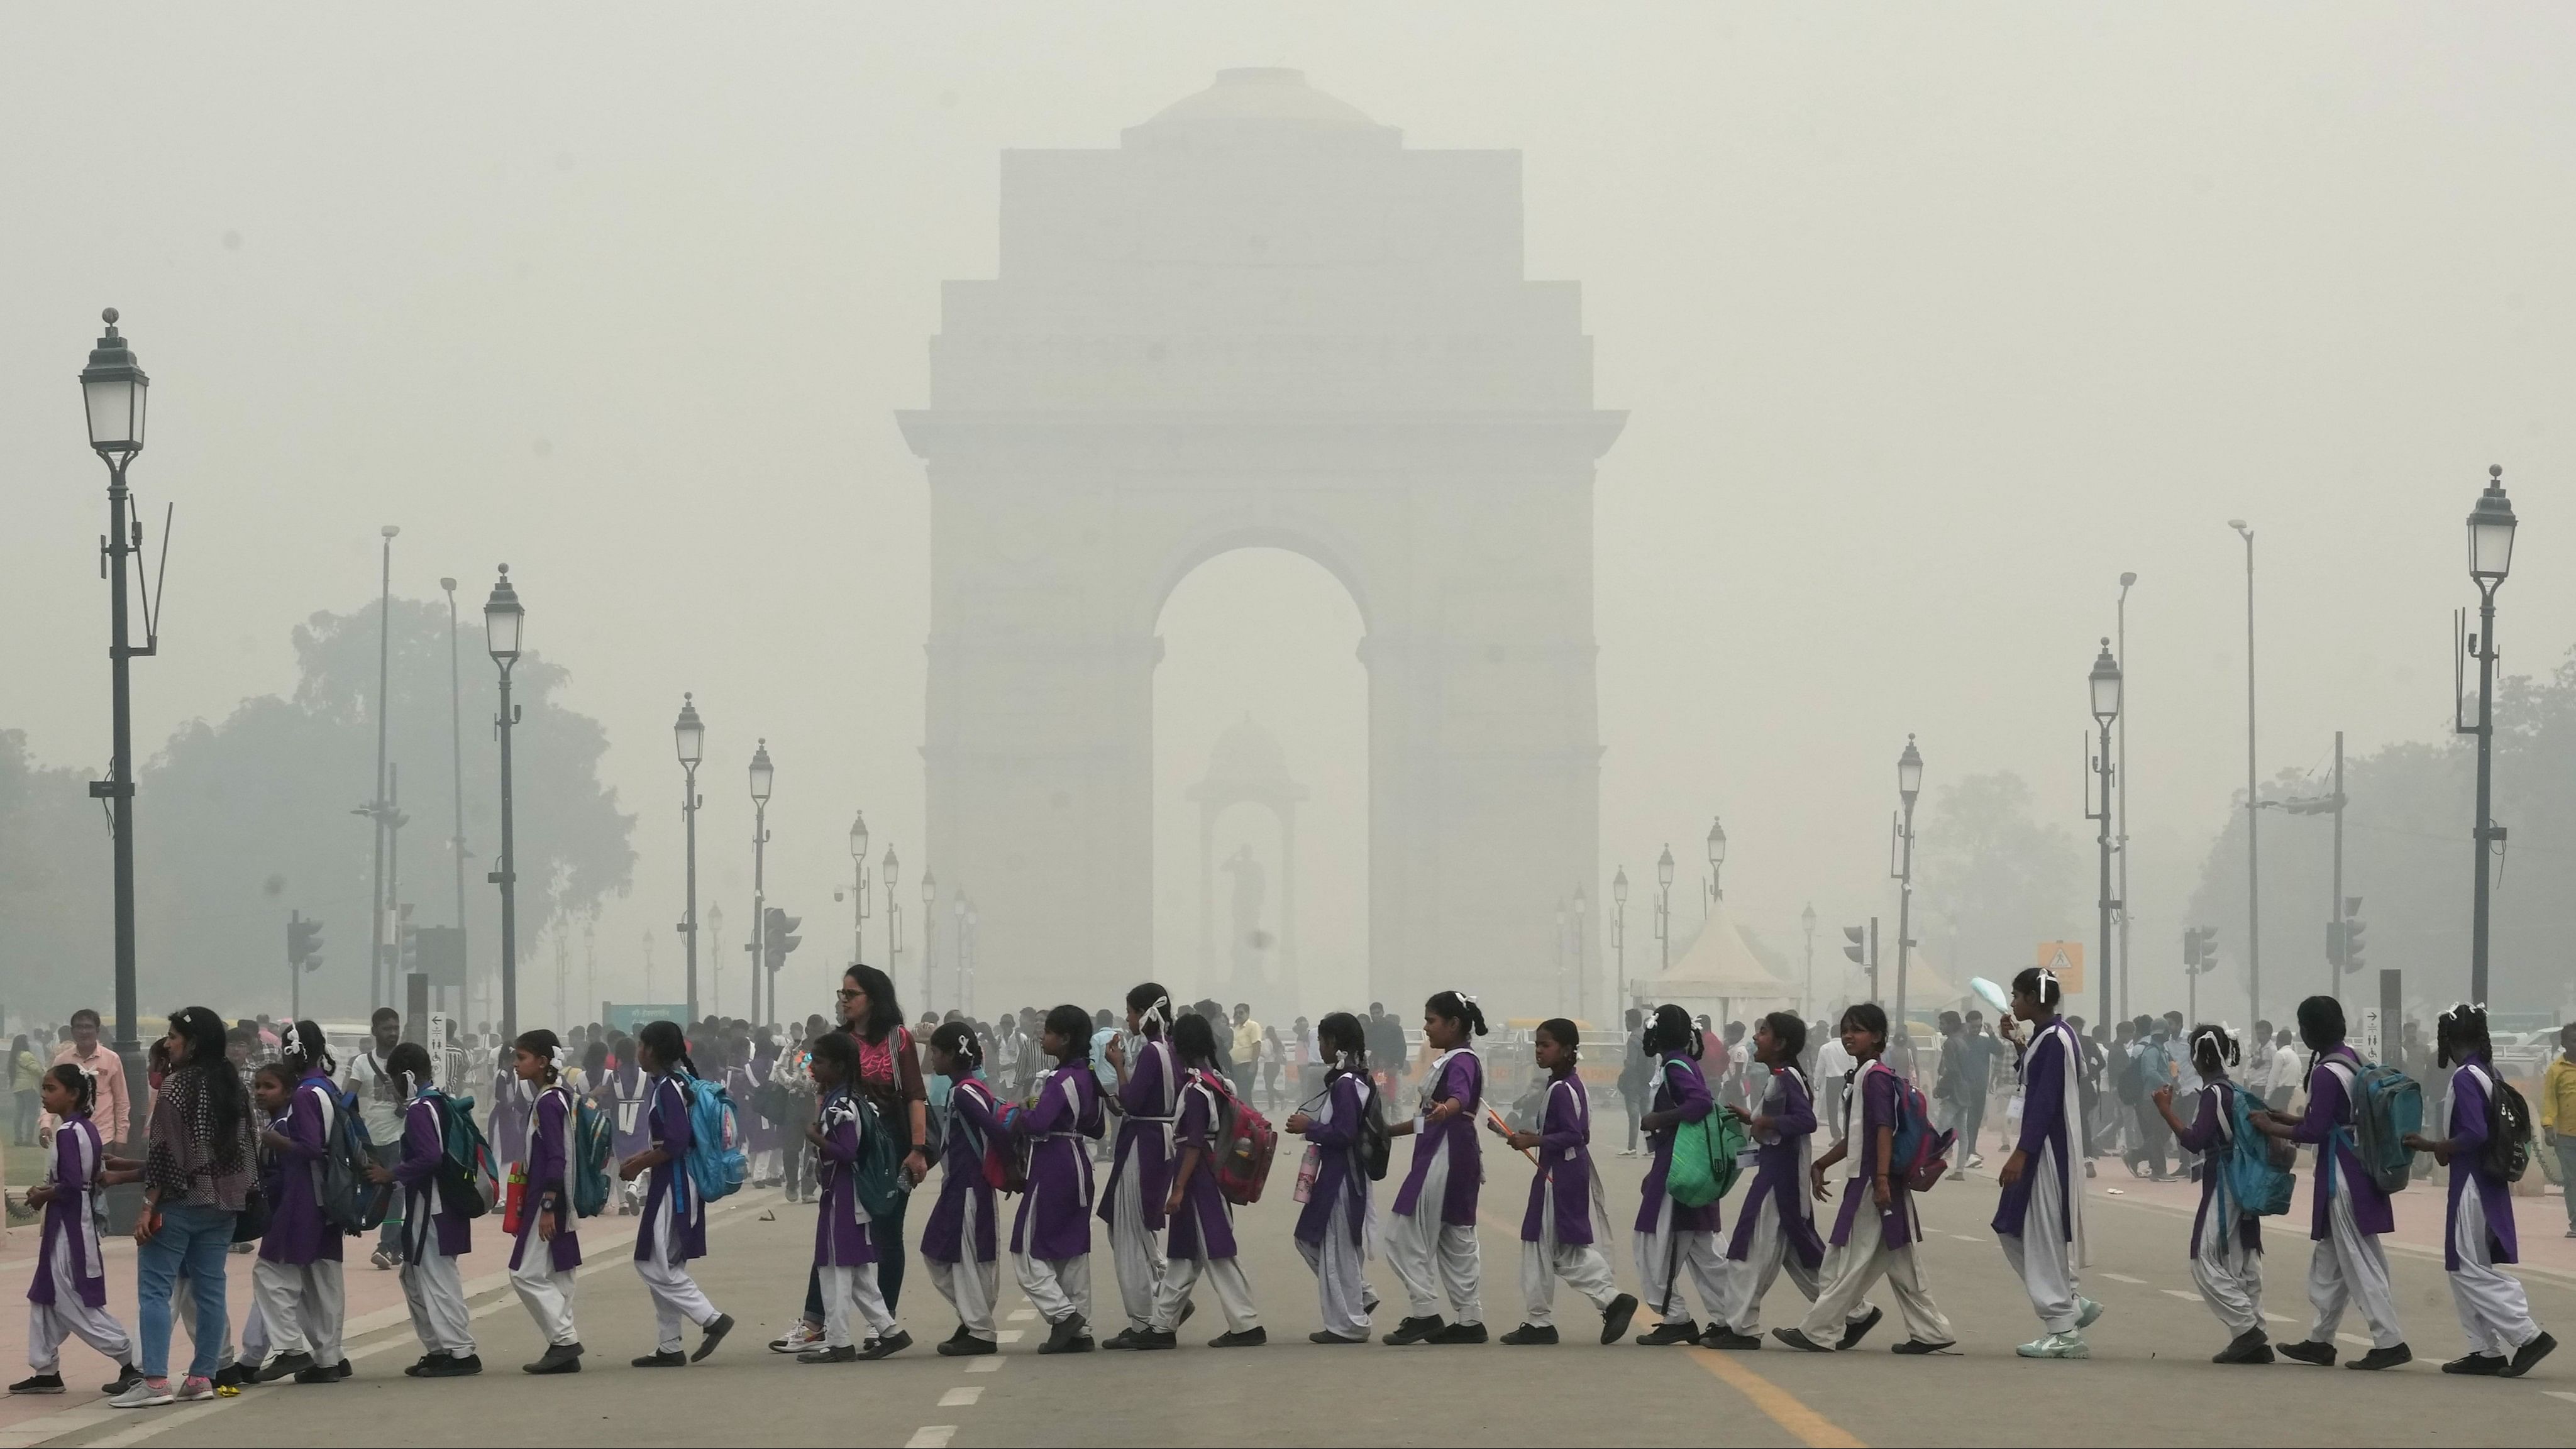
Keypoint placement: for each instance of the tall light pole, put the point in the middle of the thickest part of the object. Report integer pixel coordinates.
(503, 623)
(113, 393)
(456, 763)
(2491, 527)
(2105, 682)
(1619, 939)
(1582, 951)
(1909, 783)
(956, 949)
(1807, 997)
(715, 957)
(2121, 645)
(375, 809)
(888, 871)
(763, 775)
(689, 739)
(974, 943)
(2253, 802)
(859, 887)
(929, 921)
(1562, 911)
(1716, 859)
(1664, 906)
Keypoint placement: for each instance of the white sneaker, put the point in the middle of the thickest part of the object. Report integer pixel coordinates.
(2056, 1345)
(146, 1394)
(797, 1339)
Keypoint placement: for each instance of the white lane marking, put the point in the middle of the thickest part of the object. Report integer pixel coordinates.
(2125, 1278)
(2278, 1318)
(70, 1421)
(1023, 1315)
(155, 1424)
(1007, 1335)
(931, 1436)
(1965, 1238)
(2185, 1297)
(2560, 1394)
(991, 1365)
(960, 1398)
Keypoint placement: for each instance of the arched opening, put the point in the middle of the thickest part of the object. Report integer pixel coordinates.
(1261, 787)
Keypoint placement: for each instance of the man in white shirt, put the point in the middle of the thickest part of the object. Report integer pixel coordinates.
(1832, 1062)
(380, 1106)
(2285, 1072)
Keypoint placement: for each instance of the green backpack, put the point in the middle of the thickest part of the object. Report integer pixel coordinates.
(1706, 1159)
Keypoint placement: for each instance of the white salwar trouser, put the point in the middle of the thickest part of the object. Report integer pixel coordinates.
(853, 1287)
(2349, 1266)
(302, 1303)
(434, 1291)
(1743, 1285)
(969, 1286)
(1233, 1293)
(1665, 1256)
(2494, 1311)
(1135, 1250)
(546, 1294)
(1055, 1287)
(2228, 1274)
(677, 1298)
(1852, 1268)
(2040, 1254)
(48, 1324)
(1581, 1265)
(1341, 1293)
(1432, 1259)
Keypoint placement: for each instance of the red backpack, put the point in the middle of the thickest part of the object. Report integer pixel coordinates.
(1006, 1162)
(1245, 1145)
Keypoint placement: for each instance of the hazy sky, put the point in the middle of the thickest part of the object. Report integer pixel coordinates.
(1928, 323)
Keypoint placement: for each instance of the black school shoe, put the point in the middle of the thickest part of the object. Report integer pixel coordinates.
(280, 1367)
(1123, 1339)
(887, 1346)
(1854, 1332)
(2527, 1355)
(2251, 1346)
(1157, 1338)
(2380, 1358)
(967, 1345)
(1616, 1318)
(232, 1376)
(658, 1359)
(2478, 1365)
(1415, 1330)
(559, 1358)
(127, 1376)
(714, 1334)
(455, 1366)
(40, 1384)
(846, 1353)
(1460, 1333)
(1916, 1347)
(321, 1375)
(2308, 1351)
(1721, 1336)
(1796, 1340)
(1253, 1337)
(1669, 1332)
(1327, 1336)
(1531, 1333)
(420, 1368)
(1069, 1334)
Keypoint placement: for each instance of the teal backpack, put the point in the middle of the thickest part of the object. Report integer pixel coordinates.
(716, 1164)
(2258, 1168)
(593, 1146)
(1707, 1159)
(469, 1178)
(2387, 1108)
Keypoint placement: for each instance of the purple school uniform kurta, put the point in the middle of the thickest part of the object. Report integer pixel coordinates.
(2468, 1170)
(424, 1147)
(69, 1218)
(2205, 1138)
(1678, 1088)
(1054, 1221)
(1777, 1172)
(2045, 1083)
(298, 1233)
(840, 1225)
(2330, 1114)
(1145, 1132)
(1202, 1219)
(972, 1108)
(1339, 1175)
(1461, 1079)
(549, 1165)
(1564, 1165)
(1878, 1089)
(629, 1090)
(666, 1121)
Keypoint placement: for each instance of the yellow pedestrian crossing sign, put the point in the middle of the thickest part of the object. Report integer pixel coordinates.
(2066, 958)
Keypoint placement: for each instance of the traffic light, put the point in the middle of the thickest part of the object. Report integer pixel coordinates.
(778, 932)
(408, 952)
(2351, 958)
(2336, 942)
(2199, 950)
(2191, 949)
(1855, 935)
(303, 942)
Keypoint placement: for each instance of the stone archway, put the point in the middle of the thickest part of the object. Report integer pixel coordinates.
(1261, 320)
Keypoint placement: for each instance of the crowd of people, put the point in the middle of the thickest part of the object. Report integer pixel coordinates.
(854, 1113)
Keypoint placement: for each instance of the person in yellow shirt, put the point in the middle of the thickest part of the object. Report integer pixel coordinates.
(2558, 1115)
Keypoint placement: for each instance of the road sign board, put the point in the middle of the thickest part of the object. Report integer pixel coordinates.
(2066, 958)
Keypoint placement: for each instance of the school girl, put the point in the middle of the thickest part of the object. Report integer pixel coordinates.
(627, 1097)
(2040, 1218)
(1202, 1223)
(674, 1230)
(2478, 1233)
(514, 1104)
(767, 1170)
(2348, 1265)
(1431, 1244)
(547, 1251)
(1140, 1174)
(435, 1233)
(1562, 1231)
(957, 1242)
(845, 1253)
(1337, 1228)
(1876, 1231)
(1671, 1239)
(69, 1294)
(298, 1274)
(2226, 1240)
(1775, 1228)
(1051, 1237)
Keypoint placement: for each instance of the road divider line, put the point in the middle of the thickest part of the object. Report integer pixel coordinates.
(931, 1436)
(2185, 1297)
(991, 1365)
(1782, 1407)
(961, 1398)
(2125, 1278)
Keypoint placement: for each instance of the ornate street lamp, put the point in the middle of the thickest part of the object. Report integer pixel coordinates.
(503, 624)
(689, 737)
(763, 775)
(1909, 783)
(2105, 685)
(2491, 526)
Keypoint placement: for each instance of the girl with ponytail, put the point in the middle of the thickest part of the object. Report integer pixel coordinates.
(1431, 1245)
(1672, 1239)
(301, 1295)
(2226, 1240)
(1333, 1225)
(548, 1249)
(69, 1294)
(957, 1242)
(674, 1230)
(434, 1232)
(2494, 1310)
(1140, 1174)
(1051, 1238)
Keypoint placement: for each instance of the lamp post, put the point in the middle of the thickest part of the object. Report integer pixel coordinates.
(503, 623)
(2105, 682)
(2253, 861)
(929, 920)
(456, 762)
(2120, 644)
(381, 962)
(715, 957)
(1664, 906)
(1716, 859)
(888, 869)
(2490, 559)
(859, 887)
(763, 775)
(1909, 783)
(1562, 911)
(1807, 998)
(689, 737)
(1619, 939)
(1582, 952)
(974, 943)
(956, 948)
(113, 393)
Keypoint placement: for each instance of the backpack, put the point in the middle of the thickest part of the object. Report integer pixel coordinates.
(1376, 1148)
(349, 1202)
(2258, 1168)
(2387, 1107)
(1245, 1145)
(1706, 1159)
(469, 1180)
(1921, 1154)
(2128, 1079)
(2508, 1149)
(1005, 1170)
(715, 1162)
(593, 1147)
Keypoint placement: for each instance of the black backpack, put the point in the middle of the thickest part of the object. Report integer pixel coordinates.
(2128, 1078)
(2508, 1150)
(1376, 1147)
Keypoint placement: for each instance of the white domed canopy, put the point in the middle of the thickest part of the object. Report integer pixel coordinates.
(1265, 97)
(1719, 967)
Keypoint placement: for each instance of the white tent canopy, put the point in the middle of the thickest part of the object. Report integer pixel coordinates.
(1718, 970)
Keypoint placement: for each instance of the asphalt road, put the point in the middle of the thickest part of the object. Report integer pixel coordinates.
(2150, 1381)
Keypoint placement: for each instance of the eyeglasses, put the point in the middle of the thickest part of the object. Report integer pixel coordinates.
(846, 992)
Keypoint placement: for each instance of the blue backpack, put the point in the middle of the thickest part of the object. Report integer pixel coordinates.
(2387, 1107)
(716, 1164)
(349, 1201)
(1920, 1153)
(2258, 1168)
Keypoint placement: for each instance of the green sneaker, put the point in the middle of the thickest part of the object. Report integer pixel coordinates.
(2086, 1310)
(2056, 1345)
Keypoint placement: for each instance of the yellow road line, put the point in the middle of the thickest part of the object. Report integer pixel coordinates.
(1784, 1408)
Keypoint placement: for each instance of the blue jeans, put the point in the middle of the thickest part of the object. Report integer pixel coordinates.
(194, 1241)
